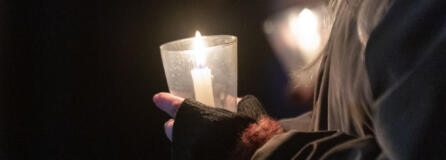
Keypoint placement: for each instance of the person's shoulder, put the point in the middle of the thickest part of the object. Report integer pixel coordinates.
(410, 31)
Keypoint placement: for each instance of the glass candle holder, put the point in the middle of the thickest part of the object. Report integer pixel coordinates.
(203, 68)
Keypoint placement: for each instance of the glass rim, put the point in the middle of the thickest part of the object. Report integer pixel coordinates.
(232, 40)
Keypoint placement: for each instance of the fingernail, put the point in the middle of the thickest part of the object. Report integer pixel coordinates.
(168, 126)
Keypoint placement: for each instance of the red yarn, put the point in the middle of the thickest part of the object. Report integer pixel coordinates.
(255, 136)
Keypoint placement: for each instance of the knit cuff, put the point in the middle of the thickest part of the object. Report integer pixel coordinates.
(202, 132)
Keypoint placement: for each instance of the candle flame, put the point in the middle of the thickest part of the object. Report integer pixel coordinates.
(197, 34)
(305, 28)
(199, 48)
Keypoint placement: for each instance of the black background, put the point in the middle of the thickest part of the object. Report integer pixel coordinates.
(77, 77)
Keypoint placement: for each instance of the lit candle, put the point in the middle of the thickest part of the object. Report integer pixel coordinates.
(201, 75)
(305, 31)
(203, 68)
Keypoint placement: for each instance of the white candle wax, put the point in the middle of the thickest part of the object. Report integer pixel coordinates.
(202, 79)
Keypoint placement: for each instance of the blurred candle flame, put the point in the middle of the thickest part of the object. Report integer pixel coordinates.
(305, 28)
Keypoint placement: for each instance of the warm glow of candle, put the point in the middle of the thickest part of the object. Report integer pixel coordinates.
(201, 74)
(305, 28)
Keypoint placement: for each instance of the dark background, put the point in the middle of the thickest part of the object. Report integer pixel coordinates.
(77, 77)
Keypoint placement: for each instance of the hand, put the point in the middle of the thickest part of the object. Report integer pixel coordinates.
(169, 104)
(203, 132)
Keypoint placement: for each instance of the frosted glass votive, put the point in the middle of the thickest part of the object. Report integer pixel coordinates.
(207, 74)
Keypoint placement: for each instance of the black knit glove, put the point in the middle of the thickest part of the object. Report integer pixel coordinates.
(202, 132)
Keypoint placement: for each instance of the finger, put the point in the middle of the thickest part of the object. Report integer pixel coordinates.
(168, 126)
(168, 102)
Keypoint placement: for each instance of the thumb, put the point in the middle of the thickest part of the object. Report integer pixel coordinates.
(167, 102)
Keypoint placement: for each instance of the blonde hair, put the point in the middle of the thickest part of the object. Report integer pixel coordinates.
(349, 93)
